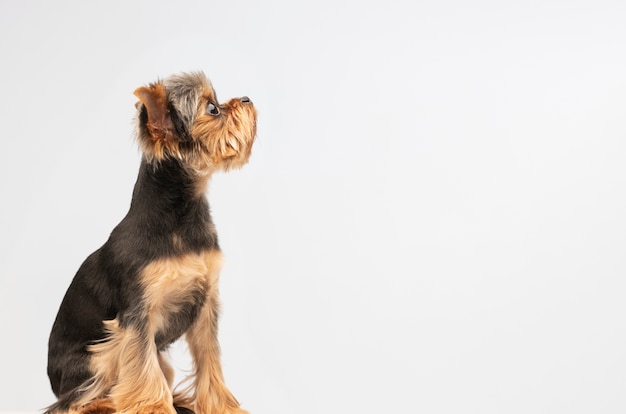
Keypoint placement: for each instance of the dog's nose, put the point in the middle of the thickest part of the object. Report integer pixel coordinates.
(245, 99)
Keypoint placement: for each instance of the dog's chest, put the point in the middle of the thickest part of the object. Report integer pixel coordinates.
(175, 289)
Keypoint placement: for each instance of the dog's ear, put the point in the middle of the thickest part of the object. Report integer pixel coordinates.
(154, 98)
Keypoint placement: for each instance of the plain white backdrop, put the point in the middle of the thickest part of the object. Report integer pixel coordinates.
(433, 219)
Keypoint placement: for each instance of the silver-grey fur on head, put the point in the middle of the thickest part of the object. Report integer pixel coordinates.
(184, 90)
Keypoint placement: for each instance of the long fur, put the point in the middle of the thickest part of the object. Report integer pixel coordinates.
(156, 277)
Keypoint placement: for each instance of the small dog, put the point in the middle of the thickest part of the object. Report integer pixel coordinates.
(156, 277)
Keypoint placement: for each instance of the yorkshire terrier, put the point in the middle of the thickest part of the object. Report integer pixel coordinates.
(156, 277)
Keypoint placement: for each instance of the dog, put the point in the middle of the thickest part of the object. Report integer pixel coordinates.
(156, 278)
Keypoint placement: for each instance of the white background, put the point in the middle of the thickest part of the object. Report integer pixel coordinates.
(433, 219)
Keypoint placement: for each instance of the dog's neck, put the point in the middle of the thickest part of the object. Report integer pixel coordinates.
(166, 216)
(166, 193)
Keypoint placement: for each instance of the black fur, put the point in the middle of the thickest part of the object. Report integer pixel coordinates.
(164, 203)
(179, 125)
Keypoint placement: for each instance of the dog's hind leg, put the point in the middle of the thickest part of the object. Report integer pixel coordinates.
(130, 371)
(141, 385)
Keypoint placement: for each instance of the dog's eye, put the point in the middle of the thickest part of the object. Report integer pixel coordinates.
(212, 109)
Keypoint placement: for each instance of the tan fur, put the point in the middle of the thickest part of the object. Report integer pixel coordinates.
(99, 406)
(177, 242)
(220, 142)
(126, 367)
(160, 124)
(228, 139)
(167, 282)
(161, 139)
(126, 358)
(104, 363)
(207, 392)
(167, 369)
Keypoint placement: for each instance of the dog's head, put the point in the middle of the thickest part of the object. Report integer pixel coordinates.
(180, 117)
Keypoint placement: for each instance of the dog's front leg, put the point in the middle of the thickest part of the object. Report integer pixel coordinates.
(210, 393)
